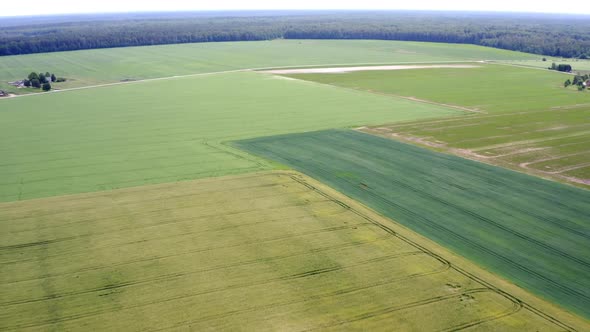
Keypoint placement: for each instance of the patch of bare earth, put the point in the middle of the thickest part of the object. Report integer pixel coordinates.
(340, 70)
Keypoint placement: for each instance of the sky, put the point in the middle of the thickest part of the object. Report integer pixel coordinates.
(48, 7)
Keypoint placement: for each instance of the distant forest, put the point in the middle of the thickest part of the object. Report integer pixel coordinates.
(545, 34)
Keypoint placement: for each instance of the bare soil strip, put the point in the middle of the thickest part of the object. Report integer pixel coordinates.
(340, 70)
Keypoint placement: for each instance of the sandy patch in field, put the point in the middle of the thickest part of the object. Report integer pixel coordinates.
(284, 78)
(340, 70)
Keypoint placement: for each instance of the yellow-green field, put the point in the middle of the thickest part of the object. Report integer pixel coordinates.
(268, 251)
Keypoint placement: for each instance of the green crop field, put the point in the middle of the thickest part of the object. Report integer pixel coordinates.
(531, 231)
(526, 118)
(256, 252)
(92, 67)
(168, 130)
(488, 87)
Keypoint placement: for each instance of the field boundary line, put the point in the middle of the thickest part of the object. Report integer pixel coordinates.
(151, 199)
(254, 69)
(425, 101)
(130, 82)
(139, 183)
(509, 296)
(390, 95)
(149, 186)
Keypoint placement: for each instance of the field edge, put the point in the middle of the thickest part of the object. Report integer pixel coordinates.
(529, 300)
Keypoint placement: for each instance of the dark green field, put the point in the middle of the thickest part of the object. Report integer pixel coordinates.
(532, 231)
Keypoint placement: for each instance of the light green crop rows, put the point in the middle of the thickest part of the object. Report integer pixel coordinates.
(169, 130)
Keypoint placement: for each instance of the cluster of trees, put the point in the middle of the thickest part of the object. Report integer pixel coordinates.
(41, 80)
(579, 80)
(561, 67)
(553, 35)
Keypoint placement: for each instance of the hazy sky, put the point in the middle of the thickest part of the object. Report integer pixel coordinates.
(45, 7)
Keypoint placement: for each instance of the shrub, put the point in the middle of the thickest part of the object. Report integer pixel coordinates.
(35, 83)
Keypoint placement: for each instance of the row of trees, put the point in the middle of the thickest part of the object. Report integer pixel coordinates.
(534, 33)
(579, 81)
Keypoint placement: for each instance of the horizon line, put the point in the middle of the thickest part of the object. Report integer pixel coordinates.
(297, 10)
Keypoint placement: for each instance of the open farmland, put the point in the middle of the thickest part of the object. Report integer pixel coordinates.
(166, 131)
(91, 67)
(552, 144)
(269, 251)
(531, 231)
(124, 204)
(489, 88)
(522, 118)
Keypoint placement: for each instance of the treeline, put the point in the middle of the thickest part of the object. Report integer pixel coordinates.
(552, 35)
